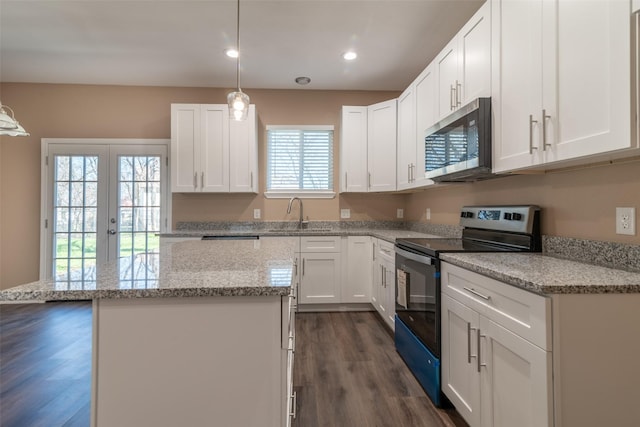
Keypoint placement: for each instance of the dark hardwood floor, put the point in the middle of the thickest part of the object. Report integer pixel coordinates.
(45, 364)
(347, 372)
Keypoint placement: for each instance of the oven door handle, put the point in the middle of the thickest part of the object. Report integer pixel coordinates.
(422, 259)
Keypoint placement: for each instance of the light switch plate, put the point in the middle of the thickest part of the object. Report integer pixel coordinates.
(626, 221)
(345, 213)
(400, 213)
(256, 214)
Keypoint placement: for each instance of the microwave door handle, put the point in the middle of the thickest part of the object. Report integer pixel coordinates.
(422, 259)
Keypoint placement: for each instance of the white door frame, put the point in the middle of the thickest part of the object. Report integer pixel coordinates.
(45, 184)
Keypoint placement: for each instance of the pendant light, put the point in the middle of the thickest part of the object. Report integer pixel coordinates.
(8, 124)
(238, 101)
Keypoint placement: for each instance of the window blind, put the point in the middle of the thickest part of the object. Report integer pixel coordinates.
(299, 159)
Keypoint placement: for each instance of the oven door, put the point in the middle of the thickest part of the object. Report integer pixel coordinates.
(418, 297)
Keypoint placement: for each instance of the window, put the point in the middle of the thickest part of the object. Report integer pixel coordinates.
(300, 160)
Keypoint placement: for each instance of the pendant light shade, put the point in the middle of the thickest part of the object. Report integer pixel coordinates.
(238, 101)
(238, 105)
(9, 126)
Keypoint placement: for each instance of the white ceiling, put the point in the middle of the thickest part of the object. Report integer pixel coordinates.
(182, 42)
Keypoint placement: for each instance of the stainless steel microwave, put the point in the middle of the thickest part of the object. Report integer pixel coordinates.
(458, 148)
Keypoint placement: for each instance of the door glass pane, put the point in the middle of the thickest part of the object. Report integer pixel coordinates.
(138, 211)
(74, 223)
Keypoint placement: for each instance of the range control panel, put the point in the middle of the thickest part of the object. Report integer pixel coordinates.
(518, 219)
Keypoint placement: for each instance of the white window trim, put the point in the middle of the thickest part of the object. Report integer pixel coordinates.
(44, 181)
(300, 193)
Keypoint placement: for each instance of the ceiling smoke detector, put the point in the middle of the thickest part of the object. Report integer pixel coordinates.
(303, 80)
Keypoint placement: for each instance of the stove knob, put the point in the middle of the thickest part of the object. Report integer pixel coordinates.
(516, 216)
(507, 216)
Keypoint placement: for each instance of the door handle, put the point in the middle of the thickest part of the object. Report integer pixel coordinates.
(112, 231)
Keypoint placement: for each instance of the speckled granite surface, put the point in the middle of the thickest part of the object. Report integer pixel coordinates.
(607, 254)
(547, 275)
(386, 230)
(261, 267)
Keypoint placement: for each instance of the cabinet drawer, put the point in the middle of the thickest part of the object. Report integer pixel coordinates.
(320, 244)
(524, 313)
(386, 250)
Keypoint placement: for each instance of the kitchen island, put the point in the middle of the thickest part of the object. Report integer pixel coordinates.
(200, 333)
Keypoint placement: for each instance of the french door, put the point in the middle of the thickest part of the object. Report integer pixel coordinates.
(103, 200)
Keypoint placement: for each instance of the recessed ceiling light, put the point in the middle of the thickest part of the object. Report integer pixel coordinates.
(231, 53)
(303, 80)
(350, 56)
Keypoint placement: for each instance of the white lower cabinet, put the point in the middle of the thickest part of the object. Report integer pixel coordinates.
(383, 292)
(319, 269)
(496, 351)
(356, 256)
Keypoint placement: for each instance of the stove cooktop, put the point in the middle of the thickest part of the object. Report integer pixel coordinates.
(440, 245)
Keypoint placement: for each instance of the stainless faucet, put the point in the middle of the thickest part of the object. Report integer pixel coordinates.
(289, 209)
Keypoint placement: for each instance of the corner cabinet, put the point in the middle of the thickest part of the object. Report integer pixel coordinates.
(568, 94)
(496, 351)
(368, 147)
(211, 153)
(463, 67)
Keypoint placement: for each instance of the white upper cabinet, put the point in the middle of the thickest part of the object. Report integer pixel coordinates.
(425, 117)
(353, 149)
(210, 153)
(368, 147)
(381, 152)
(407, 138)
(243, 154)
(635, 6)
(463, 67)
(567, 95)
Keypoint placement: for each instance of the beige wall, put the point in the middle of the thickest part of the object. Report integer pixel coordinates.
(579, 203)
(83, 111)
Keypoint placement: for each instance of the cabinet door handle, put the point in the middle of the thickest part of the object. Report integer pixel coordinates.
(531, 122)
(346, 183)
(303, 266)
(476, 293)
(452, 98)
(544, 130)
(294, 403)
(373, 245)
(251, 180)
(295, 266)
(479, 348)
(369, 180)
(408, 172)
(458, 93)
(469, 343)
(202, 180)
(382, 275)
(413, 172)
(195, 180)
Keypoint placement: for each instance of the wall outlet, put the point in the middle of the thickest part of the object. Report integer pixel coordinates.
(626, 221)
(400, 213)
(428, 214)
(256, 214)
(345, 213)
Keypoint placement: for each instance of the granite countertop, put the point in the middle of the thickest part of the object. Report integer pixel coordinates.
(389, 235)
(547, 275)
(261, 267)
